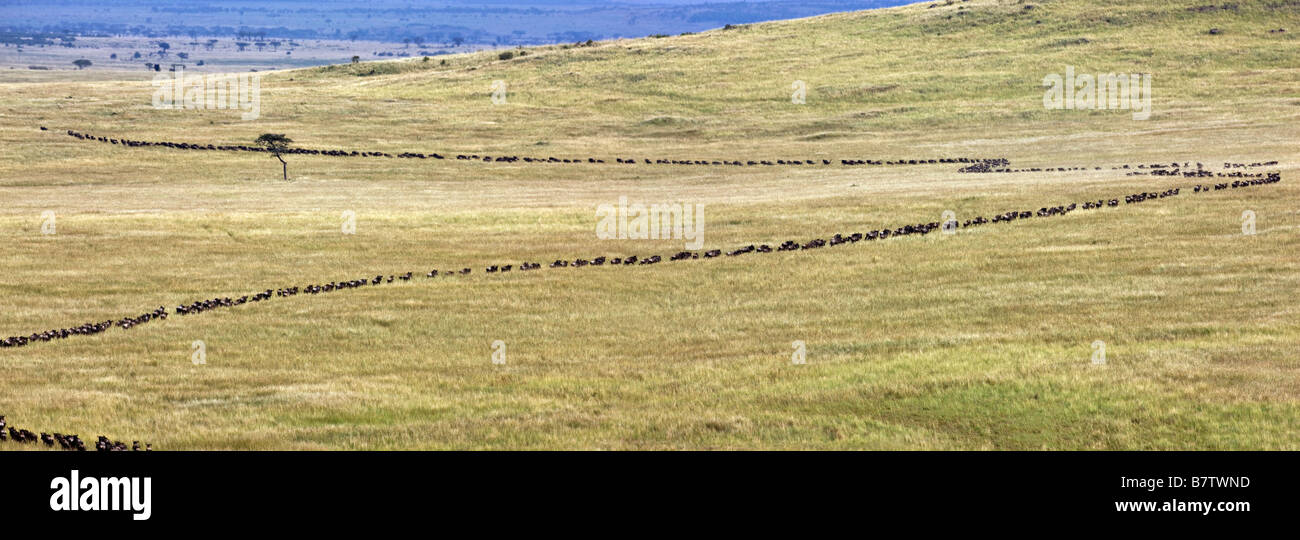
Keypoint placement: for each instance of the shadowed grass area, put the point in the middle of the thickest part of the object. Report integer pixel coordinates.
(979, 340)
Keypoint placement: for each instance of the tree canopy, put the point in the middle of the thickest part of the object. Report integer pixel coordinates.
(276, 143)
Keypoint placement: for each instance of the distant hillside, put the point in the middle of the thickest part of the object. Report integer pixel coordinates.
(922, 66)
(484, 22)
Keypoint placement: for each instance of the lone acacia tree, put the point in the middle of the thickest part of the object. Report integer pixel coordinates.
(276, 144)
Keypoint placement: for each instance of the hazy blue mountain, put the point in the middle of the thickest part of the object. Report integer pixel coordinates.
(487, 22)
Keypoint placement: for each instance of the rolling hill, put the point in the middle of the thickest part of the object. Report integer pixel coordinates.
(983, 339)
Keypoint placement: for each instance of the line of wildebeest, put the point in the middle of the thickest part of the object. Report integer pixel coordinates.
(972, 165)
(525, 159)
(65, 442)
(1184, 169)
(201, 306)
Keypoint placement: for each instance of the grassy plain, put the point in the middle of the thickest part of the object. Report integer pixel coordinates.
(975, 341)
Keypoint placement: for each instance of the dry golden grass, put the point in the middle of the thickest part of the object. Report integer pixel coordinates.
(975, 341)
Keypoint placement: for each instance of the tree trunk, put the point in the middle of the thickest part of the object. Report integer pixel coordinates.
(285, 165)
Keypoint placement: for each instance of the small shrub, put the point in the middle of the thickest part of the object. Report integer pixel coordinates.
(506, 55)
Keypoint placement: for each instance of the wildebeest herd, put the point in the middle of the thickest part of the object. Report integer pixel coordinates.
(630, 260)
(1153, 169)
(525, 159)
(65, 442)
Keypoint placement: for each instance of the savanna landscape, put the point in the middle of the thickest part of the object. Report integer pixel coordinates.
(1167, 322)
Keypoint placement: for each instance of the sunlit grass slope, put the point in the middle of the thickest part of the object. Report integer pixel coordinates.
(979, 340)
